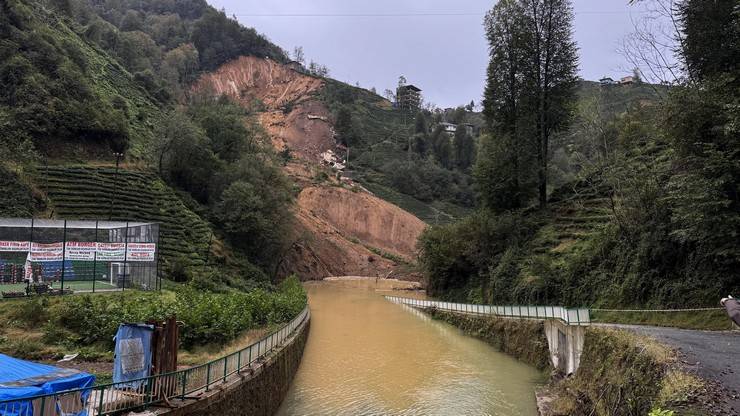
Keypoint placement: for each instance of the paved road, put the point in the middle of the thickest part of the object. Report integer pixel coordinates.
(715, 355)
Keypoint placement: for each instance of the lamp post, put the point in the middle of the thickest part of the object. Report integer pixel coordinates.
(118, 156)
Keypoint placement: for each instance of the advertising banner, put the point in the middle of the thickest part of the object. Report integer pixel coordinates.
(80, 250)
(14, 245)
(111, 251)
(46, 252)
(83, 251)
(140, 251)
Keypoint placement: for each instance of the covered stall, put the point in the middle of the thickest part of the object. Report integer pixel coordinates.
(28, 389)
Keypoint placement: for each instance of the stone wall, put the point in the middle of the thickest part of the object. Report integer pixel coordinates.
(257, 394)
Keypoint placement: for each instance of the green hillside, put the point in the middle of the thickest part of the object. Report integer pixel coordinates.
(81, 192)
(65, 93)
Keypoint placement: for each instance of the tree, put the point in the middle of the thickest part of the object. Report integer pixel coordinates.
(345, 127)
(502, 103)
(464, 148)
(443, 150)
(711, 33)
(549, 70)
(298, 55)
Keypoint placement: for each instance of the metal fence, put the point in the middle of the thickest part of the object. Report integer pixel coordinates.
(114, 398)
(577, 316)
(40, 256)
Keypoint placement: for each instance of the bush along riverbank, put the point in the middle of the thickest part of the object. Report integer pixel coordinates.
(620, 373)
(49, 327)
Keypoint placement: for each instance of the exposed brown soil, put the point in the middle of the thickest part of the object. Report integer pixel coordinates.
(367, 218)
(336, 226)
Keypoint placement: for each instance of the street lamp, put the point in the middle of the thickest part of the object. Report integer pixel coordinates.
(118, 156)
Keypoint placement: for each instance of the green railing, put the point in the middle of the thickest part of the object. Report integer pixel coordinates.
(114, 398)
(575, 316)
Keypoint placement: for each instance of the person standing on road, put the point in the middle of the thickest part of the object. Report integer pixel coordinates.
(733, 308)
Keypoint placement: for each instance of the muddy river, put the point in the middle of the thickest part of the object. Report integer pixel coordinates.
(367, 356)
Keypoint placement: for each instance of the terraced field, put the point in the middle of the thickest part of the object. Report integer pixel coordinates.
(96, 193)
(576, 214)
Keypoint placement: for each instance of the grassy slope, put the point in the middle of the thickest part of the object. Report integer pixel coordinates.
(108, 78)
(80, 192)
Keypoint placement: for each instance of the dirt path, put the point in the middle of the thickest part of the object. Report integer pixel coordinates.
(714, 355)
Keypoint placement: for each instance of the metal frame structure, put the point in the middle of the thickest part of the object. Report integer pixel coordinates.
(89, 256)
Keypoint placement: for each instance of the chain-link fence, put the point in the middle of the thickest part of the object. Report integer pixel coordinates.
(60, 256)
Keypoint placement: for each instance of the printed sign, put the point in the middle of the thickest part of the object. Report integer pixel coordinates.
(80, 250)
(111, 251)
(46, 252)
(140, 251)
(14, 245)
(83, 251)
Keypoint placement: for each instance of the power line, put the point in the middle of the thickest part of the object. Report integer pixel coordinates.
(419, 14)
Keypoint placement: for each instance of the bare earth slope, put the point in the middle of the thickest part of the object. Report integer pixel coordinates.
(337, 227)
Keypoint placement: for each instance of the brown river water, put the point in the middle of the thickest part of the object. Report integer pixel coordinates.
(368, 356)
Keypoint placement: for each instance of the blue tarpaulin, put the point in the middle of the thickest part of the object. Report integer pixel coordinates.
(21, 379)
(133, 355)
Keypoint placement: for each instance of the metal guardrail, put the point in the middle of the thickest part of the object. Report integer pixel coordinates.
(576, 316)
(113, 398)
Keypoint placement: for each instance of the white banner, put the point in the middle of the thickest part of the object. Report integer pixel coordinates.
(83, 251)
(14, 245)
(111, 251)
(46, 252)
(80, 250)
(140, 251)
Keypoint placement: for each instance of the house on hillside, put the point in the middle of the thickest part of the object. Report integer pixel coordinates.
(627, 80)
(450, 128)
(408, 97)
(607, 81)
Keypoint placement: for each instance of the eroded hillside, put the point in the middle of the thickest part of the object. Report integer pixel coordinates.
(342, 229)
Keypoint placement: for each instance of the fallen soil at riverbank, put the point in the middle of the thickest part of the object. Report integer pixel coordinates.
(377, 283)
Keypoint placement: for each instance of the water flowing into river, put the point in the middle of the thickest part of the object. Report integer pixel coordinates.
(367, 356)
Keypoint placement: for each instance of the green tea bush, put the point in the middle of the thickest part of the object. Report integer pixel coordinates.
(207, 316)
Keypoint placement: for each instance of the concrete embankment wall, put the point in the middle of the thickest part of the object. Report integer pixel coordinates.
(523, 339)
(620, 373)
(253, 394)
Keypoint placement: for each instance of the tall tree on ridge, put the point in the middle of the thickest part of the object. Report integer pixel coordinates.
(550, 66)
(501, 108)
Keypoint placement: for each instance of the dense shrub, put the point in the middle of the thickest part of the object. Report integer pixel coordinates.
(208, 317)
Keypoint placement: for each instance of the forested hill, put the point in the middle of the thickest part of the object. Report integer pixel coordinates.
(82, 80)
(614, 195)
(96, 73)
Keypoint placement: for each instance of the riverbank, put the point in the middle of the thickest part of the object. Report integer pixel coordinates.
(377, 283)
(621, 373)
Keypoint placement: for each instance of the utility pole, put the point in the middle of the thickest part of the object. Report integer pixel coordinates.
(118, 156)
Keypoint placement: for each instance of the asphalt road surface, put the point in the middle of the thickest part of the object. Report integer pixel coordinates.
(715, 355)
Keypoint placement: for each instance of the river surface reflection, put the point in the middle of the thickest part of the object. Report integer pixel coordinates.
(367, 356)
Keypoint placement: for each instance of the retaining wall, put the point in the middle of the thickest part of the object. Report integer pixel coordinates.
(257, 392)
(522, 338)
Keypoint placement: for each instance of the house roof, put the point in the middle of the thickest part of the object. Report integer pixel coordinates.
(410, 87)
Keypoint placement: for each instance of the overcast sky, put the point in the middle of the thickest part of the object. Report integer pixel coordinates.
(437, 45)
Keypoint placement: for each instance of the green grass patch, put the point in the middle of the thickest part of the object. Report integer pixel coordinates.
(711, 320)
